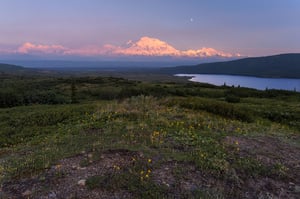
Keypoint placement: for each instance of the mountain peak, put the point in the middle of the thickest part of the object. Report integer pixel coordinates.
(148, 41)
(147, 46)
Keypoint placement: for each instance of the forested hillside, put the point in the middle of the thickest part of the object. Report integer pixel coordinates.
(285, 65)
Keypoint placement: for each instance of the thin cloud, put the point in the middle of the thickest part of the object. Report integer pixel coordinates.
(4, 51)
(28, 48)
(93, 50)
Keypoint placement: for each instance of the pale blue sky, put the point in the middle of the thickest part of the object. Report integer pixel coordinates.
(256, 27)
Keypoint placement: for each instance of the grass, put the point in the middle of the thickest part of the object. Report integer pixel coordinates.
(166, 130)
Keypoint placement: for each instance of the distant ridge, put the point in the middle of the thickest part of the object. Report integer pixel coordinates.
(276, 66)
(16, 70)
(9, 67)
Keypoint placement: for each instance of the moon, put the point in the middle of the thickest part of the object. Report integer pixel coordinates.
(191, 19)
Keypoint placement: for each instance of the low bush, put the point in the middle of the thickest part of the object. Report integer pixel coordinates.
(223, 109)
(232, 99)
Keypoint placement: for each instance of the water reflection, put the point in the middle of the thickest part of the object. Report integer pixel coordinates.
(245, 81)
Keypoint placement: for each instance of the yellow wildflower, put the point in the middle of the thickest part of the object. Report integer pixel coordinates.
(58, 166)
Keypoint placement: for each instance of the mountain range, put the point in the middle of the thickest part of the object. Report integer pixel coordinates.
(145, 47)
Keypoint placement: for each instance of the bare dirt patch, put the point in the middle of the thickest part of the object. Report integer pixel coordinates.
(180, 178)
(63, 179)
(67, 178)
(272, 153)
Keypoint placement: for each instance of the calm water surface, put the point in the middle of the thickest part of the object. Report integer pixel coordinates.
(245, 81)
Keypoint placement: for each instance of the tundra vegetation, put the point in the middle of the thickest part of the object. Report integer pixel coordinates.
(93, 137)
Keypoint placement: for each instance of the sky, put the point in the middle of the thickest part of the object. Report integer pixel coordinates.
(100, 27)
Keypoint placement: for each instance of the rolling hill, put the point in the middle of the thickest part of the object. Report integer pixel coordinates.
(283, 65)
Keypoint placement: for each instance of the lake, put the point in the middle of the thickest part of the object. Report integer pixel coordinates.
(246, 81)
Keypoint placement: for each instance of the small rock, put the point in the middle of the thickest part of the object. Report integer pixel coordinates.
(81, 182)
(141, 155)
(26, 193)
(52, 195)
(166, 184)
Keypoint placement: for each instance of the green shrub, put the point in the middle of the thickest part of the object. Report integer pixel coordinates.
(217, 107)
